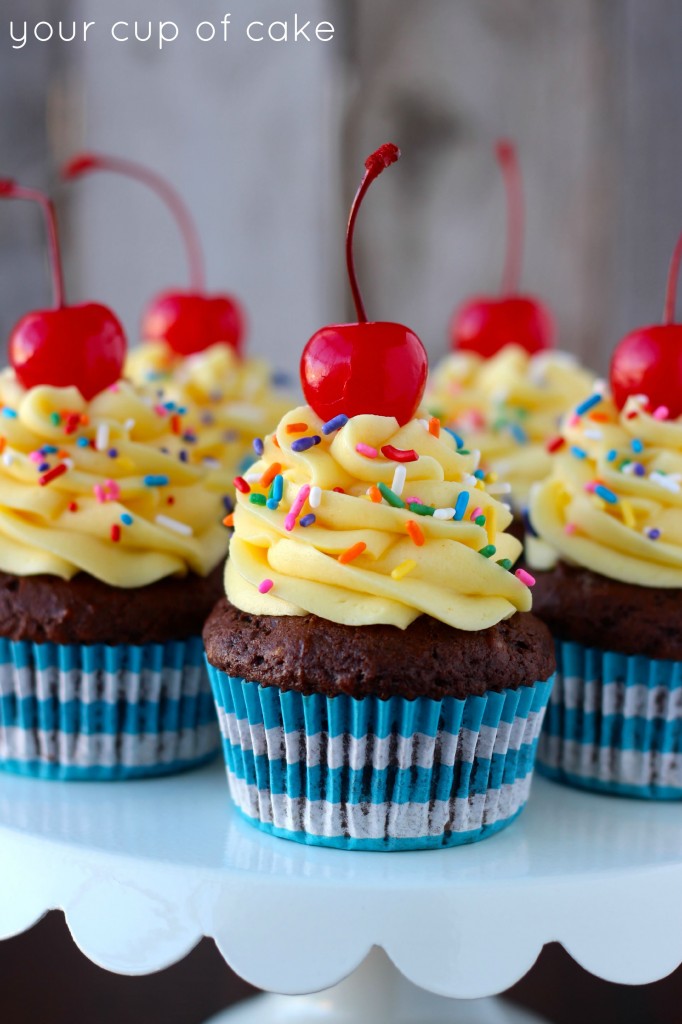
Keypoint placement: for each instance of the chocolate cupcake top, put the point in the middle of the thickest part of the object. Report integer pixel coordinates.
(613, 503)
(231, 399)
(109, 487)
(361, 521)
(508, 406)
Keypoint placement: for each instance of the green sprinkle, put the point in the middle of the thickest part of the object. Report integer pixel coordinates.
(506, 563)
(55, 419)
(480, 520)
(488, 551)
(391, 497)
(464, 451)
(422, 510)
(257, 499)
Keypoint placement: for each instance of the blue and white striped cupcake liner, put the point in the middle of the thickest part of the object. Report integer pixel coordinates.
(377, 774)
(614, 724)
(98, 712)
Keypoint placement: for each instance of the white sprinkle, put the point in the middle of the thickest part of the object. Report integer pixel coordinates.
(629, 469)
(399, 480)
(505, 504)
(129, 425)
(102, 437)
(211, 463)
(250, 477)
(469, 480)
(8, 458)
(668, 483)
(476, 456)
(174, 524)
(501, 488)
(68, 463)
(599, 386)
(315, 497)
(425, 424)
(594, 435)
(444, 513)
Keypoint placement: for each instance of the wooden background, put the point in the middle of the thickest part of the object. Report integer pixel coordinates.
(267, 143)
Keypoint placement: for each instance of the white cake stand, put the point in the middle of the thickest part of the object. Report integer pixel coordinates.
(143, 870)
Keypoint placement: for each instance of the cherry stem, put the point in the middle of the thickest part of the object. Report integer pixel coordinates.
(671, 289)
(10, 190)
(377, 162)
(86, 162)
(508, 160)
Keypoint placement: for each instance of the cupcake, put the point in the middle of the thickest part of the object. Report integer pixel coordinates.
(191, 356)
(379, 680)
(612, 513)
(110, 558)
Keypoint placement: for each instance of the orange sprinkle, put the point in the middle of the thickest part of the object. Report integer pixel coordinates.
(270, 474)
(415, 532)
(599, 417)
(296, 428)
(3, 442)
(352, 552)
(84, 418)
(375, 494)
(229, 520)
(176, 423)
(434, 426)
(275, 441)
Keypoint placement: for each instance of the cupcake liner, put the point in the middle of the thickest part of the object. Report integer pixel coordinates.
(377, 774)
(97, 712)
(614, 723)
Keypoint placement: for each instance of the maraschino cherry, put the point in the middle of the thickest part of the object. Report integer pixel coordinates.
(188, 321)
(485, 325)
(83, 346)
(648, 360)
(362, 367)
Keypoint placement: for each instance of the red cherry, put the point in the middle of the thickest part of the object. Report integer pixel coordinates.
(375, 367)
(188, 321)
(83, 346)
(648, 360)
(486, 324)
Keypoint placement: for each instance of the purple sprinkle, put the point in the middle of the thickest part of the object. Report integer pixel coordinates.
(207, 419)
(113, 453)
(639, 469)
(258, 445)
(183, 456)
(43, 467)
(334, 424)
(189, 437)
(302, 444)
(307, 520)
(228, 504)
(653, 533)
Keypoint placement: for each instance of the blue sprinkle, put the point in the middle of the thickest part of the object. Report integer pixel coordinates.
(181, 410)
(183, 456)
(637, 445)
(272, 504)
(277, 488)
(579, 453)
(335, 423)
(258, 446)
(169, 405)
(518, 433)
(279, 379)
(156, 480)
(588, 404)
(461, 504)
(653, 533)
(49, 449)
(228, 504)
(126, 518)
(458, 440)
(302, 444)
(479, 474)
(606, 494)
(9, 413)
(113, 453)
(307, 520)
(612, 455)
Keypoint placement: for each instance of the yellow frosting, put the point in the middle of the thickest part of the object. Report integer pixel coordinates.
(231, 400)
(507, 407)
(64, 525)
(638, 459)
(393, 580)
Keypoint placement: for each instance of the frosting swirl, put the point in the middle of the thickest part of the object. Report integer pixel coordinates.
(233, 400)
(613, 502)
(507, 407)
(105, 487)
(329, 527)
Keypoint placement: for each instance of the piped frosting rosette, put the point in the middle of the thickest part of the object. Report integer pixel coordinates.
(228, 400)
(105, 487)
(362, 521)
(507, 407)
(613, 502)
